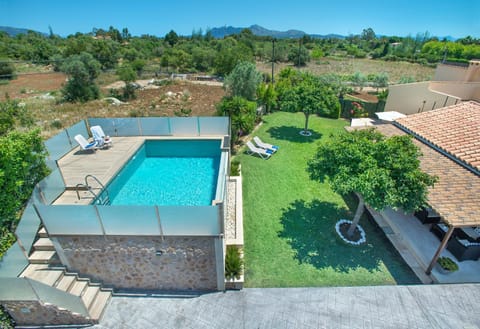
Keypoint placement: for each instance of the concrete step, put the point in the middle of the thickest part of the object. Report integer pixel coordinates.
(32, 268)
(41, 256)
(42, 233)
(78, 287)
(48, 277)
(99, 304)
(44, 244)
(66, 282)
(89, 295)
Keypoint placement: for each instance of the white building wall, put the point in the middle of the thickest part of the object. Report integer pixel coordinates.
(412, 98)
(449, 73)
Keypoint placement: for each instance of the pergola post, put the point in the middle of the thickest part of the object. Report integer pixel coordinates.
(440, 249)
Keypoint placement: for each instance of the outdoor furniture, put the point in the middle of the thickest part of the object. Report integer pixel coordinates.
(264, 154)
(264, 145)
(439, 230)
(427, 216)
(84, 144)
(463, 249)
(469, 233)
(100, 137)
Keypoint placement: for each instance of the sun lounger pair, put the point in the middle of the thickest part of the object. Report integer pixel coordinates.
(100, 140)
(264, 150)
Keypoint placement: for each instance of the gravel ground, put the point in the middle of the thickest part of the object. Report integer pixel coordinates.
(230, 231)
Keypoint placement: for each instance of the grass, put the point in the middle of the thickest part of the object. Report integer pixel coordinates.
(289, 220)
(343, 66)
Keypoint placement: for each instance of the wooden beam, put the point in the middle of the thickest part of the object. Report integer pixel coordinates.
(440, 249)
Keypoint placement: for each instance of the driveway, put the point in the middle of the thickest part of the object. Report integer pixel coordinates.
(422, 306)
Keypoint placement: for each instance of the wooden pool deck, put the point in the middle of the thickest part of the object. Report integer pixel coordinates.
(102, 163)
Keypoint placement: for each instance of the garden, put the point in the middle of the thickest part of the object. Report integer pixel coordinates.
(289, 219)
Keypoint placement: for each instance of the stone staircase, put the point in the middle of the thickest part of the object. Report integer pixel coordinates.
(94, 297)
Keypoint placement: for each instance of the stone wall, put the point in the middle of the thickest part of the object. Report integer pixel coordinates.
(35, 313)
(143, 262)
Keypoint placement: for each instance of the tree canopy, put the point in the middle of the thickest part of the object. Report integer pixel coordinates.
(384, 171)
(82, 70)
(243, 81)
(304, 92)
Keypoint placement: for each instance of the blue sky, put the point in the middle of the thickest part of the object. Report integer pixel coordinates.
(398, 17)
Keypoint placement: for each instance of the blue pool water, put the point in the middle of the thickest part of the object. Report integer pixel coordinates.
(177, 172)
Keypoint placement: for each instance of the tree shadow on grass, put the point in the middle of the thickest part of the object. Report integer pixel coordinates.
(310, 230)
(292, 133)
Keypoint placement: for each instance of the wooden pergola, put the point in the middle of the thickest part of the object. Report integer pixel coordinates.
(455, 196)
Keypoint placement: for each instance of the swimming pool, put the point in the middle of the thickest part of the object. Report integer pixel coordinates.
(168, 172)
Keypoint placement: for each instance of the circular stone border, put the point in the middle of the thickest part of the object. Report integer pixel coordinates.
(305, 133)
(363, 238)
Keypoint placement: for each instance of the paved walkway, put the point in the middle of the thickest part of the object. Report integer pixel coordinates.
(422, 306)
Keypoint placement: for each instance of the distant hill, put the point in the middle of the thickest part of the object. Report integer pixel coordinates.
(13, 31)
(221, 32)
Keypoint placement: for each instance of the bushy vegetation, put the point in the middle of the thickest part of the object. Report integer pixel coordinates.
(242, 113)
(302, 92)
(200, 52)
(22, 165)
(233, 263)
(243, 81)
(81, 70)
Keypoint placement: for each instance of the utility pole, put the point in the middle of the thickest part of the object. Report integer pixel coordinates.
(273, 60)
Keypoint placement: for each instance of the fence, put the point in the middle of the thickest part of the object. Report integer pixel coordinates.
(189, 127)
(130, 220)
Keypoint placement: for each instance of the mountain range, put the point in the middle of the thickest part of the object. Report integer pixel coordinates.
(13, 31)
(221, 32)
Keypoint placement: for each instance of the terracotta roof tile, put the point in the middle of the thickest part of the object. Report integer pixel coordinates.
(454, 129)
(455, 195)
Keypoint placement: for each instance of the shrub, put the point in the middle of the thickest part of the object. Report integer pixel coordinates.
(235, 168)
(7, 70)
(233, 263)
(22, 165)
(447, 264)
(242, 115)
(56, 124)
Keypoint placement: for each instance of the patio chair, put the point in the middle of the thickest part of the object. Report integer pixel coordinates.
(84, 144)
(264, 154)
(264, 145)
(100, 137)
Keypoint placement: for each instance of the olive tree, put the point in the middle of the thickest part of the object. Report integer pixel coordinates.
(243, 81)
(82, 70)
(383, 172)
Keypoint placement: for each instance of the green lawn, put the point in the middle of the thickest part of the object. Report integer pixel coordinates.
(289, 220)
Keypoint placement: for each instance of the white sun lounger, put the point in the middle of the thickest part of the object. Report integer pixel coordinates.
(264, 145)
(84, 144)
(264, 154)
(100, 137)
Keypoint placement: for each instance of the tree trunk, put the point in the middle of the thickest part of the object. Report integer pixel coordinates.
(306, 123)
(358, 214)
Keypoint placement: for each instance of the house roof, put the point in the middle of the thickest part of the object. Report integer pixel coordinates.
(455, 195)
(454, 129)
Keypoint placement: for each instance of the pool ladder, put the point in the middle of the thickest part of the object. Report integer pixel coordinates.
(102, 197)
